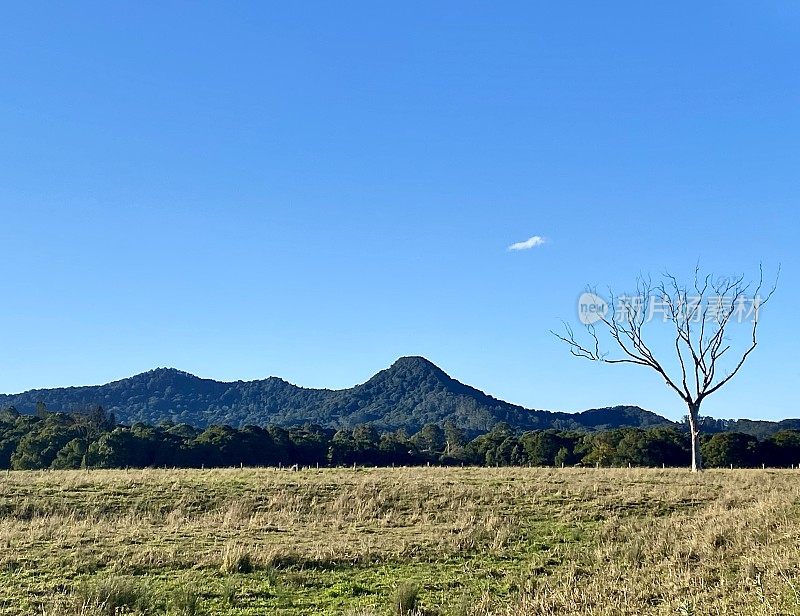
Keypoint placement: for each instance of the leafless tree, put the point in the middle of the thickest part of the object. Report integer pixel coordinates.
(702, 315)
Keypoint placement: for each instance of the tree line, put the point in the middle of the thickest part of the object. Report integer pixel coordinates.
(91, 438)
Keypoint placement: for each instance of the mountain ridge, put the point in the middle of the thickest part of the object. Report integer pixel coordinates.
(410, 393)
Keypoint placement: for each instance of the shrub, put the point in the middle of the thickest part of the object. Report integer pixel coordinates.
(405, 599)
(235, 559)
(186, 602)
(114, 595)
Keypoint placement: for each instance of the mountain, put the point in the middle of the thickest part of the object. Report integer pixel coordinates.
(409, 394)
(759, 428)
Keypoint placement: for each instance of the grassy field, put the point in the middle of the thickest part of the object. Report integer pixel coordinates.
(364, 542)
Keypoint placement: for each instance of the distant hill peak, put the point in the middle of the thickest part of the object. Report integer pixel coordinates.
(164, 374)
(414, 361)
(169, 372)
(418, 365)
(414, 369)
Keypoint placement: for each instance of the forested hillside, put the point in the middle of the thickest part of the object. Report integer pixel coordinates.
(411, 393)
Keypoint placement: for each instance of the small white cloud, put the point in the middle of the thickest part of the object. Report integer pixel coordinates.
(531, 242)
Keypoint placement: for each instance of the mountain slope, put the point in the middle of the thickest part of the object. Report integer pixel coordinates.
(409, 394)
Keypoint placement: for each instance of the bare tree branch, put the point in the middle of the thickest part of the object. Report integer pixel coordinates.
(701, 314)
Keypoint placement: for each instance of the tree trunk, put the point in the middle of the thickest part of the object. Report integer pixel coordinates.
(694, 432)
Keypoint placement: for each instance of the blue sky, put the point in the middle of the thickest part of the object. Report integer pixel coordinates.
(312, 190)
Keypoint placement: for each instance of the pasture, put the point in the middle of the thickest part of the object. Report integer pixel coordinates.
(433, 541)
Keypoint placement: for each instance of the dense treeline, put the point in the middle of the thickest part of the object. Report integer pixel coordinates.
(92, 439)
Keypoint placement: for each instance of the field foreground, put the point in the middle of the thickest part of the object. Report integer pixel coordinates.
(378, 541)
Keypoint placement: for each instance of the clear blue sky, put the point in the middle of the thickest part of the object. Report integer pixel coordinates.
(311, 190)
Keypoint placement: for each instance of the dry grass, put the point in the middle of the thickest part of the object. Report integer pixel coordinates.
(475, 541)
